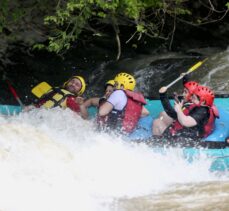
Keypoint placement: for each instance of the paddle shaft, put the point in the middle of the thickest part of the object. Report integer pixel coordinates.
(194, 67)
(173, 82)
(13, 91)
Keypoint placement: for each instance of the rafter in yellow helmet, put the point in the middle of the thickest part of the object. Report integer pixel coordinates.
(110, 82)
(83, 84)
(126, 80)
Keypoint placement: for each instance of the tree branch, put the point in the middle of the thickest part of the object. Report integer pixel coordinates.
(116, 29)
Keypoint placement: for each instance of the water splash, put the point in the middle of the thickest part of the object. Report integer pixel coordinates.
(54, 160)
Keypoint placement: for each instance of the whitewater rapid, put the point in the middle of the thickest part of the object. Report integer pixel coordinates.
(55, 161)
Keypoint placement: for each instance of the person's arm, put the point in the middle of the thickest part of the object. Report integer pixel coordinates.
(83, 111)
(94, 101)
(74, 104)
(105, 109)
(144, 112)
(201, 114)
(186, 121)
(117, 100)
(166, 104)
(79, 100)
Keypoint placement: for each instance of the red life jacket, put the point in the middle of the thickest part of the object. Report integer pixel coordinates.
(208, 127)
(133, 110)
(126, 119)
(72, 104)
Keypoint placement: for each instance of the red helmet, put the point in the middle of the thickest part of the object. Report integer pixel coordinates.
(190, 86)
(205, 94)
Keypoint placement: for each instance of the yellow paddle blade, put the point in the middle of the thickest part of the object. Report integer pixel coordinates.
(41, 89)
(191, 69)
(194, 67)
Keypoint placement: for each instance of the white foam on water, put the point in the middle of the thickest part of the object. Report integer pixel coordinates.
(54, 160)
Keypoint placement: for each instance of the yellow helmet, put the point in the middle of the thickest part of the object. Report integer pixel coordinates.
(110, 82)
(83, 87)
(126, 80)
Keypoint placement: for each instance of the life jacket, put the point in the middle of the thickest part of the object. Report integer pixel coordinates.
(57, 97)
(208, 127)
(133, 110)
(126, 119)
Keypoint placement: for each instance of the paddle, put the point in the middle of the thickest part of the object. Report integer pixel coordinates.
(191, 69)
(13, 91)
(41, 89)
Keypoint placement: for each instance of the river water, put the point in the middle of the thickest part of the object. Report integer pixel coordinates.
(55, 161)
(47, 164)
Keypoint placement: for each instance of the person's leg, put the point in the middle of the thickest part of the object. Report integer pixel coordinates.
(160, 124)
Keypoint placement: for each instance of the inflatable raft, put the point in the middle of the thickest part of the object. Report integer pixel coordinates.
(143, 131)
(219, 156)
(144, 128)
(10, 109)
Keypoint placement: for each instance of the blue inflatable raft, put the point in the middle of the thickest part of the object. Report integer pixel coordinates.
(219, 157)
(10, 109)
(143, 130)
(144, 127)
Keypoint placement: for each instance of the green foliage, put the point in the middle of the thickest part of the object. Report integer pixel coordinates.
(73, 17)
(141, 28)
(9, 17)
(76, 16)
(227, 5)
(39, 46)
(4, 9)
(59, 23)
